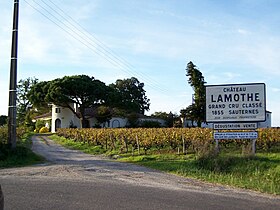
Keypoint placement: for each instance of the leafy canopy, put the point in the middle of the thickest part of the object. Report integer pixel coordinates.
(196, 111)
(87, 92)
(130, 95)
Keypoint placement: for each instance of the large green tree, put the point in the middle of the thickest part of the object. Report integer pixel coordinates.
(87, 92)
(37, 94)
(168, 117)
(130, 95)
(23, 103)
(196, 111)
(82, 90)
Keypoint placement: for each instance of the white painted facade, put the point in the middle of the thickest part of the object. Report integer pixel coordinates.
(162, 122)
(116, 122)
(63, 117)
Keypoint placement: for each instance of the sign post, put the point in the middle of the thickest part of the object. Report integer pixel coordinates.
(236, 107)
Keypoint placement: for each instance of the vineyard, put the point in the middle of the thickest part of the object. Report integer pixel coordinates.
(4, 134)
(159, 148)
(183, 140)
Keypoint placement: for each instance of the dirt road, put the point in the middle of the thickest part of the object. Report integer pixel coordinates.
(66, 166)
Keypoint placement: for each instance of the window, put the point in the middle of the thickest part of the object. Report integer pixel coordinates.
(57, 110)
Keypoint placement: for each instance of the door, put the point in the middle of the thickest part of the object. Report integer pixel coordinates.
(57, 124)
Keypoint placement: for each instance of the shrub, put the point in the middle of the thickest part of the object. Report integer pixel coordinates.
(43, 130)
(39, 124)
(3, 135)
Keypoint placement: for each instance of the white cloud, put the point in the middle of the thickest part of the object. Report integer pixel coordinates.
(266, 57)
(275, 90)
(33, 47)
(214, 77)
(242, 31)
(44, 41)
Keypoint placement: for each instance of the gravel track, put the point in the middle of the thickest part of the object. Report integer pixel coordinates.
(72, 165)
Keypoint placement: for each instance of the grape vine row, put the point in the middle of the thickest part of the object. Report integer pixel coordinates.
(183, 139)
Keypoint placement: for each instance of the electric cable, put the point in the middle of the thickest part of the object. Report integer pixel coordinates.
(91, 42)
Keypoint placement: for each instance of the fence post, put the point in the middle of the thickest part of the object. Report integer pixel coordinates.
(138, 146)
(217, 146)
(184, 145)
(254, 146)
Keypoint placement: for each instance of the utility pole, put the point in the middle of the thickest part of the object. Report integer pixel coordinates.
(12, 110)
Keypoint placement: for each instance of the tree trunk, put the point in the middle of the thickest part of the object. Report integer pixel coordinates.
(84, 123)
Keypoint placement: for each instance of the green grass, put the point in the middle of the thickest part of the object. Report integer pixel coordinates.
(22, 155)
(230, 167)
(84, 147)
(260, 173)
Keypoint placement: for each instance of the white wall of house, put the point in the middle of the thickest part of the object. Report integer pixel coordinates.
(118, 122)
(151, 119)
(115, 122)
(62, 117)
(188, 124)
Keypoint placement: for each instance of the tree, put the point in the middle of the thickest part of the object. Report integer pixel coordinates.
(168, 117)
(177, 123)
(23, 103)
(197, 110)
(130, 95)
(133, 120)
(3, 120)
(37, 94)
(104, 114)
(82, 90)
(87, 92)
(190, 113)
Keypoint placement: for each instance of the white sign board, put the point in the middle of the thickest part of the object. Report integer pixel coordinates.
(234, 126)
(235, 135)
(235, 103)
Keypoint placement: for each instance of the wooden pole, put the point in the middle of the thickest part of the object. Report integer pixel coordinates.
(184, 145)
(254, 146)
(217, 146)
(12, 111)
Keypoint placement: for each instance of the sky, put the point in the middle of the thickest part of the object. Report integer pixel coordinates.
(230, 42)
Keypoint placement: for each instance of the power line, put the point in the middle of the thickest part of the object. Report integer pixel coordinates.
(90, 41)
(69, 30)
(89, 35)
(101, 44)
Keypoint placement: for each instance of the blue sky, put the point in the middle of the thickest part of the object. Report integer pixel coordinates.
(229, 41)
